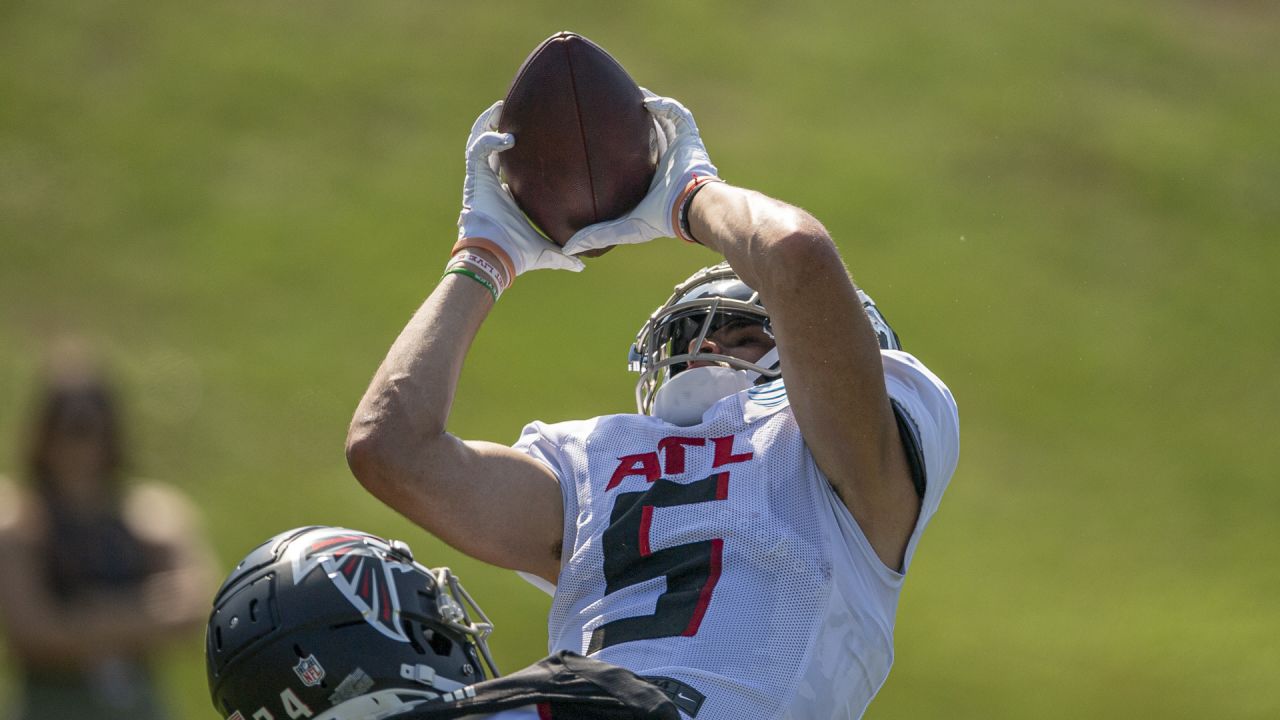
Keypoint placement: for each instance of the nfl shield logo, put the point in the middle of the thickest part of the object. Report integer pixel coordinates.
(309, 671)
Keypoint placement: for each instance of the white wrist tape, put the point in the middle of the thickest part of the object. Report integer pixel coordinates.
(482, 264)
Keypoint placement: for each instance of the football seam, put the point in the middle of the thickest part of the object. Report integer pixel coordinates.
(582, 133)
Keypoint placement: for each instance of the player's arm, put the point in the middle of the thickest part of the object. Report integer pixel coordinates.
(829, 352)
(487, 500)
(828, 349)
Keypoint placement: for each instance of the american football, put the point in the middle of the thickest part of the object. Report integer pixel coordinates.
(584, 149)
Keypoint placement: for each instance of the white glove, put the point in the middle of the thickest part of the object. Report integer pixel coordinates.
(682, 167)
(490, 218)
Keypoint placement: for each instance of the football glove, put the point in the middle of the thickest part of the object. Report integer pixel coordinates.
(682, 167)
(490, 218)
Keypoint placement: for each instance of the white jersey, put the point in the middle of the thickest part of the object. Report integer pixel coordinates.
(719, 556)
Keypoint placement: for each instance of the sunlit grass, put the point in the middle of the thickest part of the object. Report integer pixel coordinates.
(1068, 210)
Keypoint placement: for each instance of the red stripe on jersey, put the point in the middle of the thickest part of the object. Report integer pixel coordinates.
(646, 519)
(544, 711)
(704, 598)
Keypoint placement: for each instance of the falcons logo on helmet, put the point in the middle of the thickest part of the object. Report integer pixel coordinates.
(360, 567)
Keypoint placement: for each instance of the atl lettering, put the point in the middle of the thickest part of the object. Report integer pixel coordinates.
(669, 458)
(692, 570)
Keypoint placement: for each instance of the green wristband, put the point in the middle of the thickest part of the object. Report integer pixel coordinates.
(474, 276)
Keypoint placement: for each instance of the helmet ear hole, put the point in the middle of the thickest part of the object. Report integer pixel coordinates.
(440, 644)
(413, 637)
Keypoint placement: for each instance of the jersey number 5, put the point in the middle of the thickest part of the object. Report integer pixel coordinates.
(691, 570)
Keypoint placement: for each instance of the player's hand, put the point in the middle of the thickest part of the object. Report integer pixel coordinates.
(490, 218)
(682, 167)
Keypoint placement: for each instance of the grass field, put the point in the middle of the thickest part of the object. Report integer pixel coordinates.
(1069, 210)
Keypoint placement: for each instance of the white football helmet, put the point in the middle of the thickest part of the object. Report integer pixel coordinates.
(711, 299)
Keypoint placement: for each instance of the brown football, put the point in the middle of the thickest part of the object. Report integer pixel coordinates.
(584, 149)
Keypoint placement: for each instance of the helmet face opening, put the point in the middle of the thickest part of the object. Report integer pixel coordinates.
(685, 330)
(711, 300)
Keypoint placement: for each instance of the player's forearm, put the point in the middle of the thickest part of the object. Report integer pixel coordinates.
(835, 380)
(404, 411)
(769, 243)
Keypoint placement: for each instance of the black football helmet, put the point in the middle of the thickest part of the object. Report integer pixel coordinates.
(712, 298)
(335, 624)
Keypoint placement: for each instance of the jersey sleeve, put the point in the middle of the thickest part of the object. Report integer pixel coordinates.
(929, 420)
(542, 442)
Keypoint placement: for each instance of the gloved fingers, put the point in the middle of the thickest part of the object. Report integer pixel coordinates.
(666, 135)
(659, 145)
(557, 260)
(623, 231)
(484, 143)
(492, 157)
(488, 143)
(592, 237)
(481, 168)
(487, 121)
(665, 129)
(483, 158)
(670, 109)
(518, 251)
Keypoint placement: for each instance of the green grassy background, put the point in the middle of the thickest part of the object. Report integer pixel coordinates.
(1069, 210)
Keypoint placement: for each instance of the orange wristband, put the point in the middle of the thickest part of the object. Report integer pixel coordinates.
(493, 247)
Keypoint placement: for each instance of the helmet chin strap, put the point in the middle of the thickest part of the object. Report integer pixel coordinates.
(768, 360)
(683, 399)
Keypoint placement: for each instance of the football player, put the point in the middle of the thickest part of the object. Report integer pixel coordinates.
(743, 538)
(334, 624)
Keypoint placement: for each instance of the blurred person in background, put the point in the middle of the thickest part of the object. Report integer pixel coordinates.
(97, 573)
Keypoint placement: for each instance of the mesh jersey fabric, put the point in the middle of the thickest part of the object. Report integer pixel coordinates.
(719, 555)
